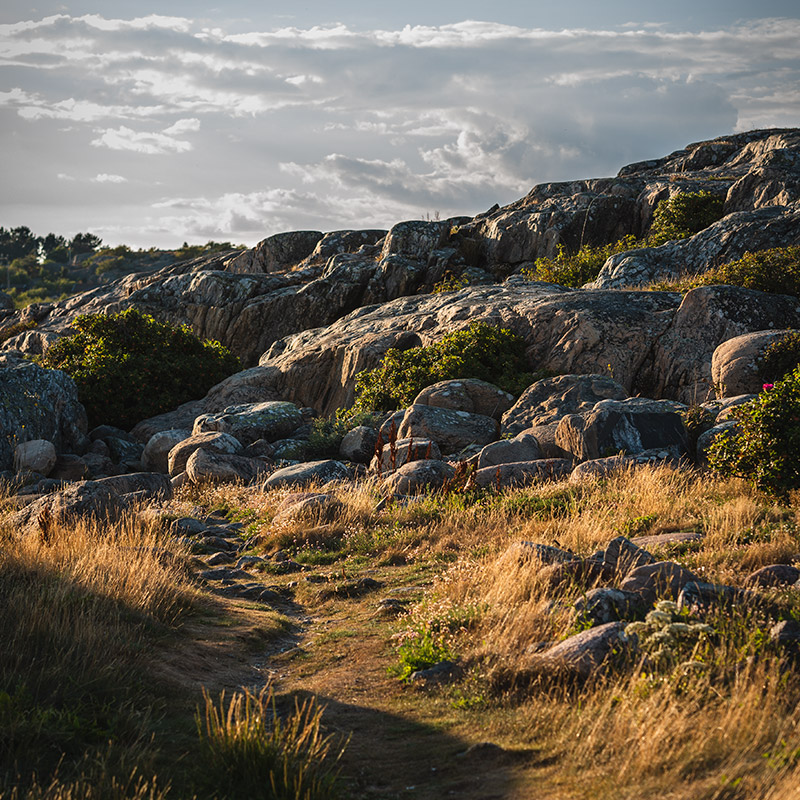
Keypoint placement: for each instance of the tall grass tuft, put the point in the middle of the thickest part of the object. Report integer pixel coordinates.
(251, 752)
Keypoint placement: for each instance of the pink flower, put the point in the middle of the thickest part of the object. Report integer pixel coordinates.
(767, 386)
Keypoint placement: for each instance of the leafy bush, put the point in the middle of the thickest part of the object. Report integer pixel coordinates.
(128, 367)
(780, 358)
(765, 446)
(776, 270)
(575, 269)
(481, 351)
(683, 215)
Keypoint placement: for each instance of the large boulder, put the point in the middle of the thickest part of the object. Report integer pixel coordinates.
(37, 455)
(213, 442)
(548, 400)
(583, 654)
(522, 473)
(248, 422)
(307, 474)
(735, 363)
(395, 454)
(523, 447)
(622, 426)
(38, 403)
(419, 476)
(206, 466)
(155, 457)
(467, 394)
(276, 252)
(451, 430)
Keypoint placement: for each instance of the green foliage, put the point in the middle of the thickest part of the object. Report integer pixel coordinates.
(776, 270)
(683, 215)
(678, 217)
(251, 752)
(450, 283)
(187, 251)
(765, 446)
(496, 355)
(780, 358)
(327, 432)
(128, 367)
(575, 269)
(13, 330)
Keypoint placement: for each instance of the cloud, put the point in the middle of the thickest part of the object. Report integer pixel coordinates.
(167, 141)
(336, 127)
(104, 177)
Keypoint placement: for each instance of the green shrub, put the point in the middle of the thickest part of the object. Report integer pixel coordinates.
(683, 215)
(128, 367)
(496, 355)
(765, 447)
(780, 358)
(776, 270)
(575, 269)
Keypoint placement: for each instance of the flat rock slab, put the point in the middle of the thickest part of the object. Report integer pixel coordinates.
(249, 422)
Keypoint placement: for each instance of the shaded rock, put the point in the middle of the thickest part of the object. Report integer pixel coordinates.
(622, 555)
(38, 403)
(522, 447)
(604, 604)
(152, 484)
(213, 442)
(260, 448)
(773, 575)
(438, 673)
(417, 476)
(212, 467)
(289, 450)
(35, 455)
(548, 400)
(467, 394)
(308, 473)
(451, 430)
(786, 633)
(664, 579)
(123, 451)
(522, 473)
(698, 597)
(545, 436)
(584, 573)
(276, 252)
(628, 426)
(358, 444)
(78, 501)
(726, 406)
(347, 241)
(706, 439)
(69, 467)
(584, 654)
(248, 422)
(404, 451)
(155, 457)
(415, 239)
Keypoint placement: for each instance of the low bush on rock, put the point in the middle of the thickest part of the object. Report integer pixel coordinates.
(765, 447)
(677, 217)
(780, 358)
(128, 366)
(776, 270)
(496, 355)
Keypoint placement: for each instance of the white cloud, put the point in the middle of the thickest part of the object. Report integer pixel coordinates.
(124, 138)
(104, 177)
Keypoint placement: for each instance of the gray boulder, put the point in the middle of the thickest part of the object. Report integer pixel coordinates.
(523, 447)
(664, 579)
(214, 442)
(276, 252)
(150, 484)
(467, 394)
(548, 400)
(248, 422)
(38, 403)
(451, 430)
(605, 604)
(308, 473)
(622, 555)
(403, 451)
(419, 476)
(599, 468)
(629, 426)
(155, 457)
(773, 575)
(522, 473)
(36, 455)
(206, 466)
(415, 239)
(358, 444)
(585, 654)
(706, 439)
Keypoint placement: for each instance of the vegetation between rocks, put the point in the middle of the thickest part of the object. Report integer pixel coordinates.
(128, 366)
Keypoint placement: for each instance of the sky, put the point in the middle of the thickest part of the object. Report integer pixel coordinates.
(151, 124)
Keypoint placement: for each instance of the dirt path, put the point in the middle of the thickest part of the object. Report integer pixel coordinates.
(404, 741)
